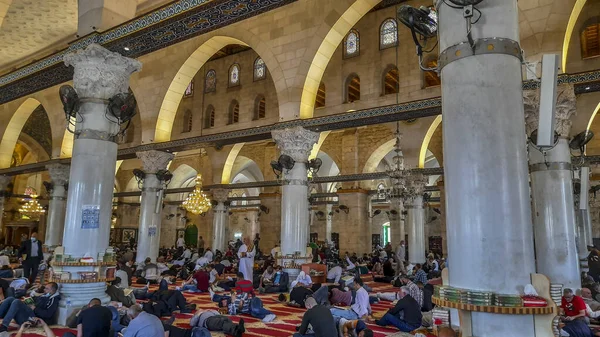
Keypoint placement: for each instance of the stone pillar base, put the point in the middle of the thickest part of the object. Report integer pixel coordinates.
(79, 294)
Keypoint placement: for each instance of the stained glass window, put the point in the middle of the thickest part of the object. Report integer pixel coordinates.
(210, 81)
(260, 69)
(388, 33)
(351, 44)
(234, 75)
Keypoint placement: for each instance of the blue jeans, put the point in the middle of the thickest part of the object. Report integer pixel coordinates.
(190, 287)
(257, 310)
(13, 308)
(389, 319)
(344, 313)
(297, 334)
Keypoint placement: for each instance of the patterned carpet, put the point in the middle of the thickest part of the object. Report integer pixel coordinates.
(283, 326)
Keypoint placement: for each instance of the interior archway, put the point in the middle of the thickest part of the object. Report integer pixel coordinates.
(13, 130)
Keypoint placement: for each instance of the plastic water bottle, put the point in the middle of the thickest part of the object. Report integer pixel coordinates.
(68, 306)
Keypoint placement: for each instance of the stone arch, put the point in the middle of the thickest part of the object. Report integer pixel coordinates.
(425, 145)
(13, 130)
(195, 61)
(317, 147)
(377, 155)
(325, 51)
(228, 167)
(577, 9)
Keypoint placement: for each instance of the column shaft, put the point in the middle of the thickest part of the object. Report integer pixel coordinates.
(294, 211)
(219, 222)
(485, 166)
(56, 216)
(416, 231)
(553, 214)
(149, 226)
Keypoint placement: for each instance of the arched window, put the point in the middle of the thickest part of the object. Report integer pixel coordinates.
(353, 88)
(210, 117)
(388, 33)
(391, 81)
(260, 69)
(210, 81)
(590, 40)
(431, 78)
(234, 75)
(260, 107)
(321, 95)
(187, 121)
(352, 44)
(234, 112)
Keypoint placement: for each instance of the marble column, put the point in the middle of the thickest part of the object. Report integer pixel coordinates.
(4, 181)
(254, 223)
(416, 218)
(57, 206)
(328, 211)
(552, 192)
(148, 240)
(490, 236)
(297, 143)
(220, 210)
(444, 229)
(99, 74)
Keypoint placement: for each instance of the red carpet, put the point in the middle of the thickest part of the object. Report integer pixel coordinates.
(283, 326)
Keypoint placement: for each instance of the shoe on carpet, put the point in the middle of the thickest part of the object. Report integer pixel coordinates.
(269, 318)
(170, 320)
(240, 328)
(3, 328)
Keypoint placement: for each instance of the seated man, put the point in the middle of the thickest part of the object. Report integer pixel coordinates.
(266, 279)
(280, 281)
(38, 322)
(303, 280)
(573, 306)
(150, 273)
(361, 307)
(405, 315)
(210, 320)
(219, 266)
(198, 282)
(95, 320)
(242, 285)
(243, 303)
(161, 265)
(143, 324)
(320, 320)
(586, 295)
(334, 274)
(45, 308)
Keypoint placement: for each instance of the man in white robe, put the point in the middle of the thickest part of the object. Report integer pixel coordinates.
(246, 254)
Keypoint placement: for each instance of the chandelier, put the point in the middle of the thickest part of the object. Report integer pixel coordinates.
(197, 202)
(398, 174)
(32, 208)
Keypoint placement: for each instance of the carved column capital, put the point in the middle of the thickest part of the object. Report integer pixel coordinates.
(220, 194)
(565, 108)
(154, 161)
(100, 73)
(415, 184)
(296, 142)
(59, 173)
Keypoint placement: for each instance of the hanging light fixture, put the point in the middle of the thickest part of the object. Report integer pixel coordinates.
(197, 202)
(32, 208)
(398, 174)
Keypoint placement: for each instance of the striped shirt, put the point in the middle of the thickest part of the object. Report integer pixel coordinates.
(420, 276)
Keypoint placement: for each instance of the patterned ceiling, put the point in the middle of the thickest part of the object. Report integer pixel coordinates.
(29, 26)
(38, 128)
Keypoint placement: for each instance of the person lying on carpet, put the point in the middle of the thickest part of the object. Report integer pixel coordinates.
(45, 307)
(38, 322)
(93, 321)
(354, 328)
(334, 274)
(164, 302)
(205, 320)
(405, 315)
(243, 303)
(319, 318)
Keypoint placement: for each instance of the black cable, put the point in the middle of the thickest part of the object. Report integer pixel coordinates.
(432, 48)
(479, 17)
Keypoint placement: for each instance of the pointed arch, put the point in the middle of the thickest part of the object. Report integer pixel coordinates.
(209, 117)
(187, 121)
(234, 112)
(321, 98)
(228, 167)
(570, 26)
(260, 107)
(325, 51)
(13, 130)
(187, 71)
(352, 88)
(425, 145)
(390, 80)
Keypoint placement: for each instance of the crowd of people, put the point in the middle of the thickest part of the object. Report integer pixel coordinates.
(233, 279)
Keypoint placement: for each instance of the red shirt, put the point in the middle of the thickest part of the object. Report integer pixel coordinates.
(244, 286)
(572, 308)
(202, 279)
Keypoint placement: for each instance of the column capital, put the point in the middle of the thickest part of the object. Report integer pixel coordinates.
(415, 184)
(295, 142)
(100, 73)
(59, 173)
(220, 194)
(565, 108)
(154, 161)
